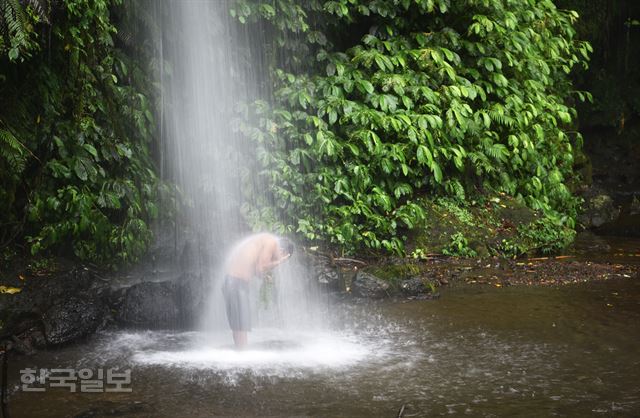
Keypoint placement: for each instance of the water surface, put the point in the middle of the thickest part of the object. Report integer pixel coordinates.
(477, 351)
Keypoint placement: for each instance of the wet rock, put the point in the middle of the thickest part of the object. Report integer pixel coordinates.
(189, 260)
(634, 207)
(416, 286)
(598, 209)
(515, 213)
(192, 298)
(27, 341)
(329, 276)
(53, 307)
(159, 264)
(72, 319)
(367, 285)
(150, 304)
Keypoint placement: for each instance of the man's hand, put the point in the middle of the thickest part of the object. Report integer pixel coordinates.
(272, 264)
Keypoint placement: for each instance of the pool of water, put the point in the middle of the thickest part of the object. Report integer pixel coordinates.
(476, 351)
(605, 249)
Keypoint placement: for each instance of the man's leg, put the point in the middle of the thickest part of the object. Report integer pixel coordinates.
(240, 339)
(244, 315)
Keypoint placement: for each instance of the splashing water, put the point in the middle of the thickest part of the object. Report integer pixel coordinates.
(272, 352)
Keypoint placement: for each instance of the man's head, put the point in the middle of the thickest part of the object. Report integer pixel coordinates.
(285, 245)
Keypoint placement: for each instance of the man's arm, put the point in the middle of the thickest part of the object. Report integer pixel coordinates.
(276, 262)
(269, 257)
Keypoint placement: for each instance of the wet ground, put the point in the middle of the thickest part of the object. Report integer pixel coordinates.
(590, 258)
(476, 351)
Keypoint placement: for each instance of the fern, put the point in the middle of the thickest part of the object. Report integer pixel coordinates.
(12, 151)
(16, 29)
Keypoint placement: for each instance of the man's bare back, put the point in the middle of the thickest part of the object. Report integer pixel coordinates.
(254, 256)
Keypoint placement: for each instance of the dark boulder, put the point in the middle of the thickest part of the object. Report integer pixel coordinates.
(599, 208)
(367, 285)
(150, 304)
(63, 305)
(192, 298)
(72, 319)
(327, 275)
(416, 286)
(421, 288)
(26, 341)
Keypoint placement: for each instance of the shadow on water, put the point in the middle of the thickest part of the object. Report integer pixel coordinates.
(480, 351)
(603, 248)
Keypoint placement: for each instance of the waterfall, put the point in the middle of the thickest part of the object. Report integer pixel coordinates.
(212, 65)
(205, 79)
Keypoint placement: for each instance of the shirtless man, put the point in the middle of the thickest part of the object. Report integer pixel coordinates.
(252, 257)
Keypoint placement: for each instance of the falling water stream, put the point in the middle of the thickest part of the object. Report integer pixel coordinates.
(213, 68)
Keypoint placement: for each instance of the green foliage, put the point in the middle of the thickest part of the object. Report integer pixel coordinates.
(428, 97)
(75, 125)
(457, 209)
(419, 254)
(459, 247)
(543, 236)
(17, 34)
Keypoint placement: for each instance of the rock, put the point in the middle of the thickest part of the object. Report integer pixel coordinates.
(515, 213)
(329, 276)
(479, 227)
(72, 319)
(367, 285)
(26, 341)
(634, 207)
(193, 294)
(150, 304)
(159, 264)
(416, 286)
(598, 209)
(66, 304)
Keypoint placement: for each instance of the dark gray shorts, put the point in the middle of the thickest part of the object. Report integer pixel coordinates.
(236, 298)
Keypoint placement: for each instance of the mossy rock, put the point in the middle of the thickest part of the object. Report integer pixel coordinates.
(598, 209)
(394, 273)
(397, 271)
(404, 277)
(467, 229)
(499, 225)
(515, 213)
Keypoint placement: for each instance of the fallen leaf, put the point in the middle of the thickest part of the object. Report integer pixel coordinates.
(10, 290)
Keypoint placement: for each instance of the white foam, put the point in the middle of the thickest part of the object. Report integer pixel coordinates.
(269, 350)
